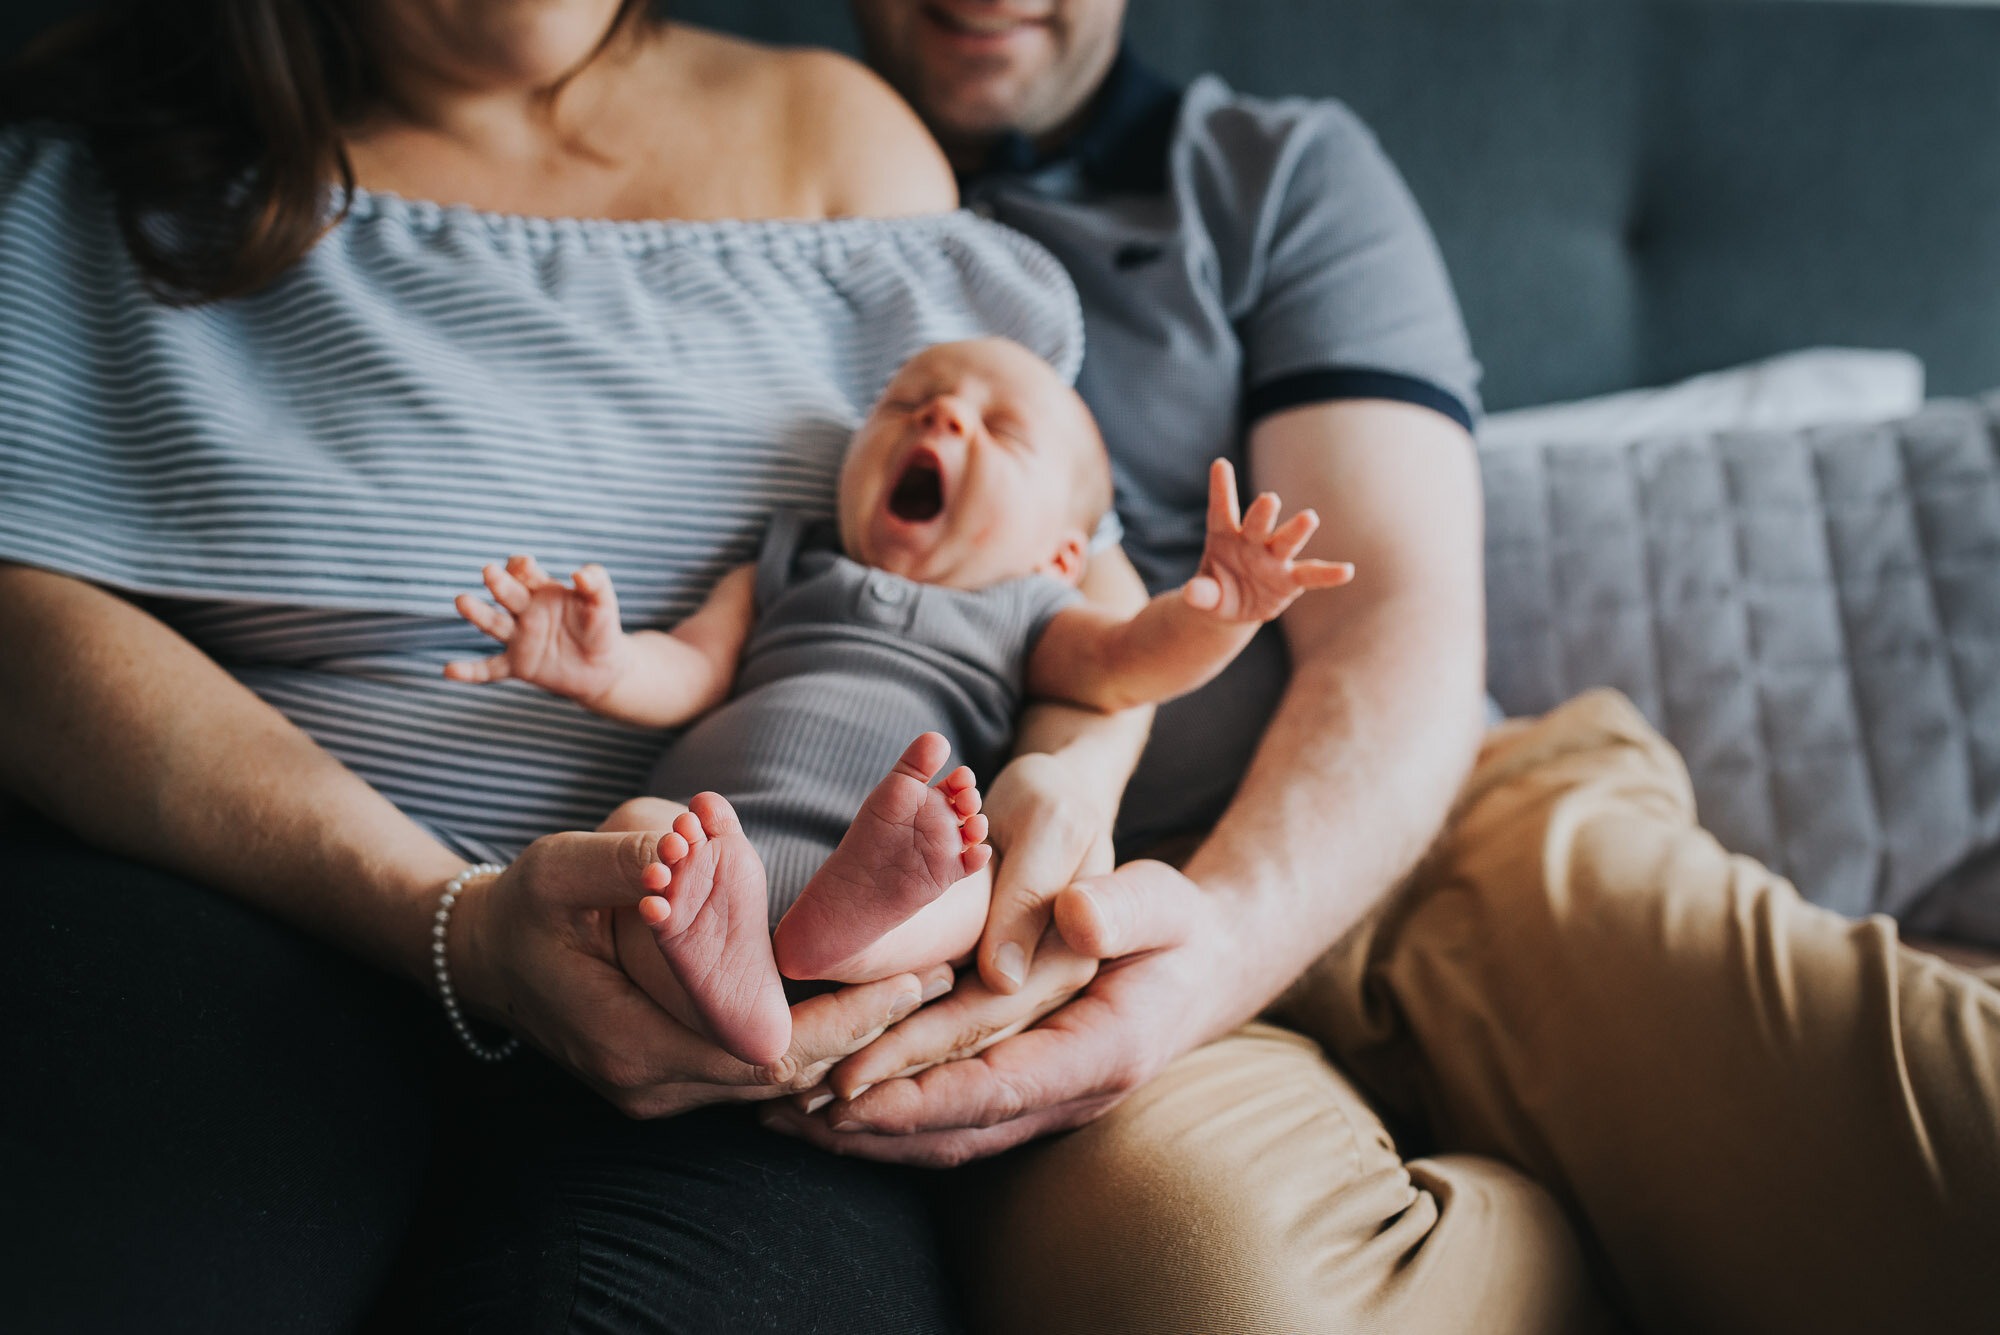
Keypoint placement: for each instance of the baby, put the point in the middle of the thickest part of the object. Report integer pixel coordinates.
(946, 590)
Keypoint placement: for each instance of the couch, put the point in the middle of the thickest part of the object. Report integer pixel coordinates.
(1628, 192)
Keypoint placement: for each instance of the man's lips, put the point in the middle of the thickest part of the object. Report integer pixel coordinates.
(981, 24)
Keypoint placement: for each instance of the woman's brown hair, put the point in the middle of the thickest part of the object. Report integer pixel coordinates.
(217, 125)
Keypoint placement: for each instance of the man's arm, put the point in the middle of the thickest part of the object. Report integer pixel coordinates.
(1385, 707)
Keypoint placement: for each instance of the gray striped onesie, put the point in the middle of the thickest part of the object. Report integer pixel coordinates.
(845, 667)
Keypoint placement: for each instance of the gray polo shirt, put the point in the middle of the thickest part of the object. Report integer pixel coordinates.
(1236, 256)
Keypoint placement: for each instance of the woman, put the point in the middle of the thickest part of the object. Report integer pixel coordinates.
(297, 324)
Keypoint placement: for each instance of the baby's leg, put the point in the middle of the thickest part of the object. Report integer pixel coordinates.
(909, 844)
(708, 962)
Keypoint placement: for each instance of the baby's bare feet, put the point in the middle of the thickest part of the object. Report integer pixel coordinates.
(716, 933)
(909, 843)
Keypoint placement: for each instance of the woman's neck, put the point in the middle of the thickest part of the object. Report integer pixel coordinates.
(518, 119)
(669, 122)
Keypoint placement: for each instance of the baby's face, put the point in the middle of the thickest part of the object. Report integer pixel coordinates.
(965, 473)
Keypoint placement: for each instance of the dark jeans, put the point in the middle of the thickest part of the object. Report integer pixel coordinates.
(209, 1122)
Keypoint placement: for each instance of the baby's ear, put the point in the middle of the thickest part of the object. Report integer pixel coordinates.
(1072, 555)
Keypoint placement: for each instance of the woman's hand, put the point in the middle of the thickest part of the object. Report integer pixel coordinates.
(1049, 828)
(533, 949)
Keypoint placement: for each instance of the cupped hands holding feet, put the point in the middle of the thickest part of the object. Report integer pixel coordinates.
(707, 906)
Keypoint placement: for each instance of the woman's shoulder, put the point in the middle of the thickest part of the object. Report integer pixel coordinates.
(845, 133)
(52, 200)
(40, 152)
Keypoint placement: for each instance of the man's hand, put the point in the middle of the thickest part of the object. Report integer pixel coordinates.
(1169, 986)
(564, 638)
(1048, 828)
(1249, 567)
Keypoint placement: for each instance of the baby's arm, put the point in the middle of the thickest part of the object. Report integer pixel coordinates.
(566, 639)
(1182, 638)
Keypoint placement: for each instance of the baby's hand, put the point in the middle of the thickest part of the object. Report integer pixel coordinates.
(1247, 568)
(563, 638)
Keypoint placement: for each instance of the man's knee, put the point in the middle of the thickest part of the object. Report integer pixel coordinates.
(1250, 1188)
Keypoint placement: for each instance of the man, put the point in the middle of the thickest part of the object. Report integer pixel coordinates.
(1760, 1116)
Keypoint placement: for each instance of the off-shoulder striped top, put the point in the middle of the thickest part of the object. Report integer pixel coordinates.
(300, 481)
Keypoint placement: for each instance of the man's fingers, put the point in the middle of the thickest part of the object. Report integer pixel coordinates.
(1322, 574)
(495, 668)
(1051, 1064)
(974, 1018)
(828, 1027)
(938, 1149)
(493, 620)
(948, 1031)
(1290, 537)
(1141, 906)
(506, 590)
(1223, 513)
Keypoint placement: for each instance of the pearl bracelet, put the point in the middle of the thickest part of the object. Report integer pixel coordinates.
(452, 1011)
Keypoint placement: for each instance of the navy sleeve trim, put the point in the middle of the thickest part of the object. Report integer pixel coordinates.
(1329, 384)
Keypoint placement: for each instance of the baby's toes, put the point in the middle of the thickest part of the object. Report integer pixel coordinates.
(974, 859)
(687, 828)
(961, 790)
(973, 830)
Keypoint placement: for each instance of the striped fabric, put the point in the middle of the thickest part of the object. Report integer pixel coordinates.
(301, 481)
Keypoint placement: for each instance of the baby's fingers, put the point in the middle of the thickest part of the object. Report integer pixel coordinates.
(1321, 574)
(1291, 536)
(1257, 520)
(1223, 515)
(506, 590)
(529, 571)
(592, 581)
(493, 620)
(477, 670)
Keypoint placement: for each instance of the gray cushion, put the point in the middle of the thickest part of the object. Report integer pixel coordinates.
(1812, 617)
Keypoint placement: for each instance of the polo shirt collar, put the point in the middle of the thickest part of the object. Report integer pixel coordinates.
(1122, 144)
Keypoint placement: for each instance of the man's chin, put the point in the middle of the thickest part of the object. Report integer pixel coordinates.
(972, 108)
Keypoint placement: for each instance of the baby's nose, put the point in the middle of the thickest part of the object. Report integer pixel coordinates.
(945, 413)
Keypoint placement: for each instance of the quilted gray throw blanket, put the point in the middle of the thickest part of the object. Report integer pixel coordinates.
(1812, 617)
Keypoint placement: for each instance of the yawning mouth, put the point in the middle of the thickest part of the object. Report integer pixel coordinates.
(918, 496)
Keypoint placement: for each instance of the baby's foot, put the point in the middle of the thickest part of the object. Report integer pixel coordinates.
(909, 843)
(716, 933)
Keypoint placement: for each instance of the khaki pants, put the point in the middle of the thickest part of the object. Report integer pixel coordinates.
(1668, 1086)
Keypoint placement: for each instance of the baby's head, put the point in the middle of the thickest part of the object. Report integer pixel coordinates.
(977, 465)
